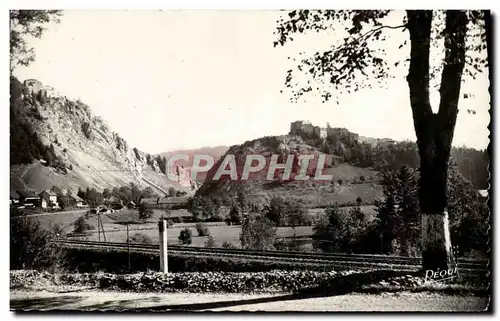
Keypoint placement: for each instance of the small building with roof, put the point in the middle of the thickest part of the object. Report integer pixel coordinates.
(166, 202)
(28, 198)
(48, 198)
(77, 201)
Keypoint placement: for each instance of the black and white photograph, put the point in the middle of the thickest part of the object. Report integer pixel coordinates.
(294, 160)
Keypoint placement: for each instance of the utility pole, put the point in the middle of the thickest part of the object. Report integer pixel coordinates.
(128, 247)
(102, 228)
(98, 226)
(162, 226)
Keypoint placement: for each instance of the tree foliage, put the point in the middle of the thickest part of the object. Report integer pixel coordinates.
(202, 229)
(286, 211)
(140, 238)
(210, 242)
(234, 217)
(25, 24)
(338, 230)
(32, 246)
(185, 236)
(355, 59)
(257, 233)
(145, 213)
(203, 208)
(398, 214)
(93, 197)
(81, 225)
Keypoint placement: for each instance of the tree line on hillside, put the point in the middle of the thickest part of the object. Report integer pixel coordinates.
(384, 156)
(279, 210)
(161, 161)
(396, 227)
(123, 194)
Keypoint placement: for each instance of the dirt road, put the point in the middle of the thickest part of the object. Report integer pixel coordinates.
(99, 300)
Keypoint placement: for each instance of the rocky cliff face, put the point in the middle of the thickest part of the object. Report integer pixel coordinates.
(84, 151)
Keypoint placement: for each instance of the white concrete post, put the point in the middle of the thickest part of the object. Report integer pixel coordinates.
(162, 225)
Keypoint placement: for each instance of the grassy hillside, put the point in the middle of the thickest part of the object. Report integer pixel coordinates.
(348, 183)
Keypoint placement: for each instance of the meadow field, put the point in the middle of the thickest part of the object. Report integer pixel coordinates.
(116, 231)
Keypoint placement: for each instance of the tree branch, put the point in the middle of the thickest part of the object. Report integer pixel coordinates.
(368, 34)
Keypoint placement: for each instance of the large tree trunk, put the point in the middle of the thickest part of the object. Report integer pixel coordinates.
(435, 131)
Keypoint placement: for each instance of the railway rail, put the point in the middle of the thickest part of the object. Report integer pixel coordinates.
(323, 259)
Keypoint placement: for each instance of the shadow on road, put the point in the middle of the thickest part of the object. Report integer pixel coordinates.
(52, 303)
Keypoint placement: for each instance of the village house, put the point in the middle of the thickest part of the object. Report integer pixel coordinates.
(48, 198)
(77, 201)
(28, 198)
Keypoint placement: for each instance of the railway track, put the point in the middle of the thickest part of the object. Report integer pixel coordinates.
(323, 259)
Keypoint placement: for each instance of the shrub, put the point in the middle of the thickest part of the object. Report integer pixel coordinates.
(140, 238)
(185, 236)
(257, 233)
(87, 131)
(210, 242)
(228, 245)
(202, 229)
(32, 247)
(234, 216)
(144, 212)
(303, 283)
(81, 225)
(290, 245)
(172, 192)
(136, 152)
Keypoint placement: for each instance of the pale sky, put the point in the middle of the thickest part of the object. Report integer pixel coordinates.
(168, 80)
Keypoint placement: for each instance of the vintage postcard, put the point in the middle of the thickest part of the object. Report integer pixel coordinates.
(250, 160)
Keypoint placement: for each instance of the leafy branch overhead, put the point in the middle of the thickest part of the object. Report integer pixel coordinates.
(358, 57)
(28, 23)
